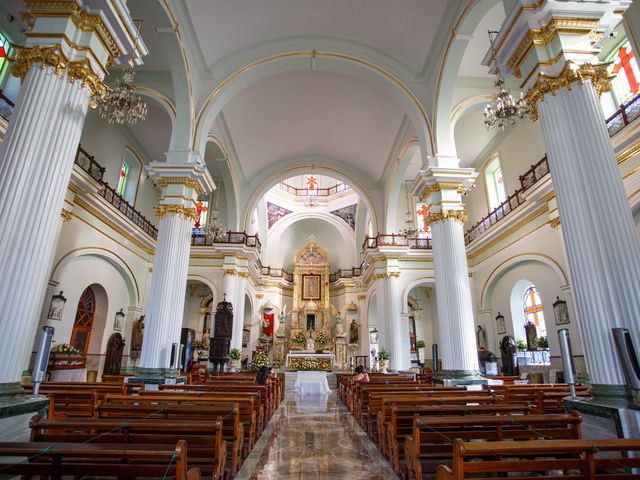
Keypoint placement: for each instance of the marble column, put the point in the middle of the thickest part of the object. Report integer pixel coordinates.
(599, 233)
(181, 185)
(442, 181)
(37, 155)
(234, 287)
(393, 328)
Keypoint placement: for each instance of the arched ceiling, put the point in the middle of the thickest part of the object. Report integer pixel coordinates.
(155, 132)
(312, 113)
(404, 29)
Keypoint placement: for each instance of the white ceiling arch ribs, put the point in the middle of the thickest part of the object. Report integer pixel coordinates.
(223, 168)
(296, 61)
(409, 150)
(459, 39)
(369, 192)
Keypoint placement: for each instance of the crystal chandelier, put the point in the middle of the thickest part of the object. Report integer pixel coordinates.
(121, 104)
(215, 232)
(504, 110)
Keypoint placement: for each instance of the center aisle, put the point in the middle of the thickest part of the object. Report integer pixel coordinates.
(314, 437)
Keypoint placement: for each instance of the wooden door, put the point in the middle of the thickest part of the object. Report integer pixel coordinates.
(84, 322)
(113, 358)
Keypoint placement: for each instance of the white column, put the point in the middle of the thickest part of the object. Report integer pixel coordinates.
(598, 229)
(36, 161)
(393, 327)
(457, 342)
(238, 312)
(165, 308)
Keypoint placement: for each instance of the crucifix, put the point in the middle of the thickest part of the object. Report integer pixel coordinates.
(312, 182)
(623, 61)
(424, 212)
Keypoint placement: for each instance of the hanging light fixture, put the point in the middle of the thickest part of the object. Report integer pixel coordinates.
(504, 110)
(312, 190)
(215, 232)
(121, 104)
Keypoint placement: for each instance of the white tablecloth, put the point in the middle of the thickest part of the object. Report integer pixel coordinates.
(312, 383)
(69, 375)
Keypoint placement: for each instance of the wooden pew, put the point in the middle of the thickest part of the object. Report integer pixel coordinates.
(553, 402)
(398, 423)
(204, 437)
(431, 442)
(74, 459)
(548, 459)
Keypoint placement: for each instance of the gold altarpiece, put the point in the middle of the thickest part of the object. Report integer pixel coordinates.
(313, 324)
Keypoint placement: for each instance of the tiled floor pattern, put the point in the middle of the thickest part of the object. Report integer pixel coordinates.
(314, 437)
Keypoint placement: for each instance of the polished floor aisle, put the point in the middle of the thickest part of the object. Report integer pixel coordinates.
(314, 437)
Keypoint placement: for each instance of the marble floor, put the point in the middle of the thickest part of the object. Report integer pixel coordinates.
(314, 437)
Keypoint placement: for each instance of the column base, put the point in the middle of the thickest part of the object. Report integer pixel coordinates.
(16, 410)
(610, 413)
(152, 377)
(460, 378)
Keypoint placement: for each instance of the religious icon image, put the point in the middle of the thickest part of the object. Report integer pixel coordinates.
(500, 325)
(311, 287)
(354, 332)
(56, 307)
(561, 312)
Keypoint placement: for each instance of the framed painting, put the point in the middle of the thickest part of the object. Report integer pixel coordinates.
(311, 289)
(560, 312)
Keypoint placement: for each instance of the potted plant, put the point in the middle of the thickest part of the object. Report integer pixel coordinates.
(234, 363)
(260, 359)
(521, 344)
(419, 344)
(384, 356)
(542, 343)
(198, 347)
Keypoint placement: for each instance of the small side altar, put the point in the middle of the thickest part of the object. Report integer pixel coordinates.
(309, 360)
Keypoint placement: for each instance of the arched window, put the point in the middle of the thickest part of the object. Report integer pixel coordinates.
(84, 321)
(532, 305)
(625, 68)
(494, 182)
(129, 176)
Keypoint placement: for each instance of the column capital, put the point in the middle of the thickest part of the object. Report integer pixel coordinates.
(175, 178)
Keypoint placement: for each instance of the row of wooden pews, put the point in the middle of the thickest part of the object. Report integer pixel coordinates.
(182, 431)
(425, 430)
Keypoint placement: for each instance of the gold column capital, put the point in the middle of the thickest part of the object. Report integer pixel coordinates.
(163, 210)
(435, 217)
(186, 181)
(571, 73)
(53, 57)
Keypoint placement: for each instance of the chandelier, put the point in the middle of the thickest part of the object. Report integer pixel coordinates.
(215, 232)
(121, 104)
(504, 110)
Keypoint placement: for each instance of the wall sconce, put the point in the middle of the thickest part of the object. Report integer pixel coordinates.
(117, 324)
(56, 307)
(502, 328)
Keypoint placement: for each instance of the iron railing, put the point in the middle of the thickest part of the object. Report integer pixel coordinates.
(626, 114)
(88, 164)
(200, 239)
(317, 192)
(396, 240)
(6, 106)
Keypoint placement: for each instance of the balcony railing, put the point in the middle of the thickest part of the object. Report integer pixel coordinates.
(340, 273)
(6, 106)
(88, 164)
(200, 239)
(530, 178)
(396, 240)
(627, 113)
(318, 192)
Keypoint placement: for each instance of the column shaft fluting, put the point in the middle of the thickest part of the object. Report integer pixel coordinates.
(36, 160)
(599, 232)
(165, 308)
(457, 341)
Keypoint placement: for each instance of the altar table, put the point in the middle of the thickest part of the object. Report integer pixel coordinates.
(295, 359)
(312, 383)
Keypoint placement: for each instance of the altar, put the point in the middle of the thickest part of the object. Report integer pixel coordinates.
(310, 360)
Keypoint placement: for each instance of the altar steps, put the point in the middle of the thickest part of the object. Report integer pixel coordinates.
(290, 381)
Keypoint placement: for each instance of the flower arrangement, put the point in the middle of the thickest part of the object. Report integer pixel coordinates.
(521, 344)
(65, 349)
(197, 345)
(299, 337)
(235, 354)
(260, 360)
(384, 354)
(420, 344)
(322, 340)
(542, 343)
(309, 364)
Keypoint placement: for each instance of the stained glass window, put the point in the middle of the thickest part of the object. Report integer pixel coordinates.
(423, 229)
(494, 181)
(532, 304)
(625, 67)
(5, 51)
(122, 181)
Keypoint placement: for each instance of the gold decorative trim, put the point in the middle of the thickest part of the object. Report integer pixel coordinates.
(361, 297)
(81, 19)
(259, 295)
(628, 153)
(545, 35)
(66, 215)
(168, 209)
(187, 182)
(53, 57)
(229, 272)
(555, 223)
(435, 217)
(571, 72)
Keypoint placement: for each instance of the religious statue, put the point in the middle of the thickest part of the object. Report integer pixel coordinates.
(481, 338)
(137, 334)
(354, 333)
(339, 329)
(531, 333)
(282, 320)
(206, 339)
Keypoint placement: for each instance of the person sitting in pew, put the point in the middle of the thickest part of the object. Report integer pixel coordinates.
(361, 376)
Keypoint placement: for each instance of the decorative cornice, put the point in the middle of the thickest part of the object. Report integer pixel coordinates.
(163, 210)
(545, 35)
(54, 58)
(81, 19)
(571, 72)
(66, 215)
(361, 297)
(555, 223)
(186, 181)
(435, 217)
